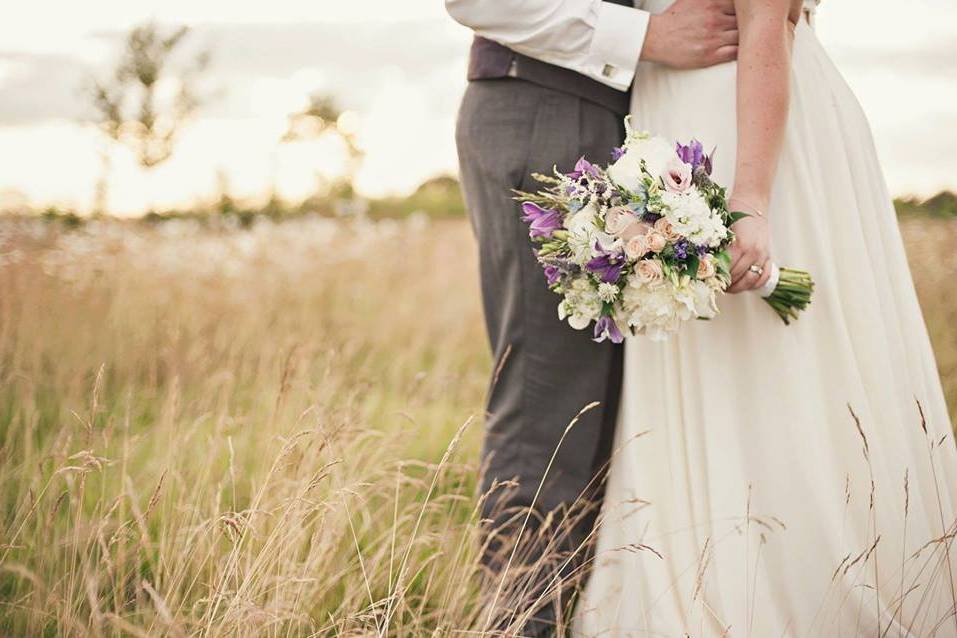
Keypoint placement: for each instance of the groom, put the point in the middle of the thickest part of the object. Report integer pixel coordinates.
(550, 82)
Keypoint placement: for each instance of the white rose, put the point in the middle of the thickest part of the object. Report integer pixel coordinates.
(626, 171)
(657, 152)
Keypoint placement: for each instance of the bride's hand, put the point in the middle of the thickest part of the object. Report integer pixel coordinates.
(751, 247)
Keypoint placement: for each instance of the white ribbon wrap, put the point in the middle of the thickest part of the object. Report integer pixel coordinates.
(772, 282)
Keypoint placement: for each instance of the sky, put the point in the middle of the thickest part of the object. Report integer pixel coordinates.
(398, 68)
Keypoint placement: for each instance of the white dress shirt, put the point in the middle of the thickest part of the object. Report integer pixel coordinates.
(601, 40)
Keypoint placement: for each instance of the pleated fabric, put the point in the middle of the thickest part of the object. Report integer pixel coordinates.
(774, 480)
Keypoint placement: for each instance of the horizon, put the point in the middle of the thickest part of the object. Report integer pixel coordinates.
(267, 61)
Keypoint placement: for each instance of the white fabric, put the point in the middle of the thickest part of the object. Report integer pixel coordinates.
(768, 288)
(752, 481)
(598, 39)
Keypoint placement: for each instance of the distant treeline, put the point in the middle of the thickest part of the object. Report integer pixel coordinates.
(943, 204)
(437, 198)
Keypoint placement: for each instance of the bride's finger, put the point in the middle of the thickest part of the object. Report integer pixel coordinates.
(745, 282)
(736, 253)
(765, 275)
(740, 264)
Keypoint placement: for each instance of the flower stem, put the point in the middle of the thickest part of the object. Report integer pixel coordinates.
(792, 294)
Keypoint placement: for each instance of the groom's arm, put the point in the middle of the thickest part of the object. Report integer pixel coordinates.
(603, 40)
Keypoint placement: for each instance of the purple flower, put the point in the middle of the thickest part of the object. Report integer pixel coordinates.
(693, 153)
(583, 167)
(553, 274)
(606, 328)
(617, 152)
(607, 266)
(542, 221)
(681, 249)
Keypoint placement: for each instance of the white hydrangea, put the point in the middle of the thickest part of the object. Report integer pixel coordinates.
(657, 152)
(691, 217)
(657, 310)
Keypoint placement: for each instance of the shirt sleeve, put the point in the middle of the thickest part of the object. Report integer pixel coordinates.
(601, 40)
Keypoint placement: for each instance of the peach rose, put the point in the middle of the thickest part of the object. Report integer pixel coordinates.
(636, 247)
(656, 241)
(665, 227)
(706, 268)
(641, 229)
(649, 271)
(618, 220)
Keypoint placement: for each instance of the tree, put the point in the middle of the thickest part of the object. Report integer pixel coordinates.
(148, 97)
(321, 117)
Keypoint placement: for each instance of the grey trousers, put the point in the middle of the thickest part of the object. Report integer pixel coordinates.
(544, 373)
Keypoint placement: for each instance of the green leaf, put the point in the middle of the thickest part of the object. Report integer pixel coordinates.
(736, 216)
(724, 260)
(691, 266)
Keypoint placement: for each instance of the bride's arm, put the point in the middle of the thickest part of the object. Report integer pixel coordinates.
(764, 79)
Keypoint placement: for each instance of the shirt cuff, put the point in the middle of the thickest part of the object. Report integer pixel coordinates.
(616, 44)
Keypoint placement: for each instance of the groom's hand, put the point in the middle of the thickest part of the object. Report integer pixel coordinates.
(693, 34)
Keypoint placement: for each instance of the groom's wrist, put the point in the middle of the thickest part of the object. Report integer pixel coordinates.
(617, 42)
(655, 46)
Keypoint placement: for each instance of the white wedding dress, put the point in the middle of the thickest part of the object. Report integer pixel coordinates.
(743, 499)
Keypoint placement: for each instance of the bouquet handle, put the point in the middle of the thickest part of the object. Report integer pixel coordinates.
(787, 291)
(772, 283)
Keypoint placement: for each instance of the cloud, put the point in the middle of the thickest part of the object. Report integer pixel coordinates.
(38, 87)
(354, 61)
(350, 61)
(933, 60)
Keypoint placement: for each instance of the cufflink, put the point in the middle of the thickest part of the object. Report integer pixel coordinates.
(608, 70)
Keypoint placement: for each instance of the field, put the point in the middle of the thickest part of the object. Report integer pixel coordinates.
(207, 430)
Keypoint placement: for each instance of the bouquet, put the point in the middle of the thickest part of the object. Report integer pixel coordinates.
(643, 245)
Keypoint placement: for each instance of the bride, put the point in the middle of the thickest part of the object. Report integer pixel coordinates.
(795, 481)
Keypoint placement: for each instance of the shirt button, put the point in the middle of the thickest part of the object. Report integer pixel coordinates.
(608, 70)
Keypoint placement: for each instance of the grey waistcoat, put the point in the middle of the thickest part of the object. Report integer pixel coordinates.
(490, 60)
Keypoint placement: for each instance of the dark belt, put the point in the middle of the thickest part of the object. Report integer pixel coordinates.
(489, 60)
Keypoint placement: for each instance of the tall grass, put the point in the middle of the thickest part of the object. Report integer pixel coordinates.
(265, 432)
